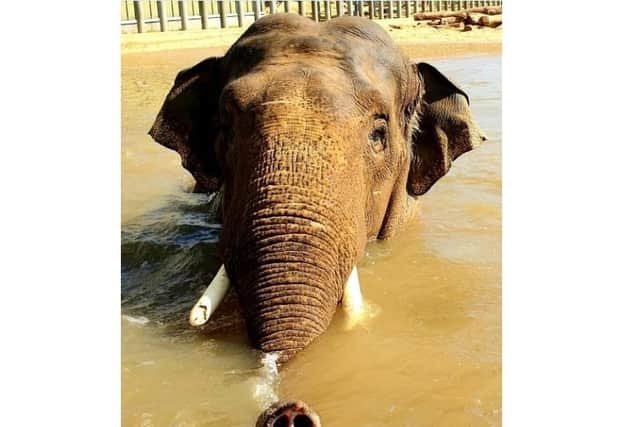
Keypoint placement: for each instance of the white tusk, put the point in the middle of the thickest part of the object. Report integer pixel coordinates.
(352, 299)
(210, 299)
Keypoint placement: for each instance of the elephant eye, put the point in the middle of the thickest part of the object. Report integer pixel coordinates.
(378, 137)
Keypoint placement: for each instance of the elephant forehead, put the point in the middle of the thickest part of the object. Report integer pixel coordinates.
(316, 84)
(346, 49)
(309, 91)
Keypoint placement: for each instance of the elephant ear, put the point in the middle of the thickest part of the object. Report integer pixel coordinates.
(188, 122)
(445, 129)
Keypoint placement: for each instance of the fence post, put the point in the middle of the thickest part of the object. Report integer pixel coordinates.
(162, 15)
(272, 7)
(315, 11)
(240, 13)
(302, 10)
(256, 10)
(222, 13)
(204, 22)
(137, 12)
(339, 7)
(287, 6)
(327, 10)
(182, 10)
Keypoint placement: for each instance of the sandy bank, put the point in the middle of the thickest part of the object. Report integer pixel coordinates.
(415, 39)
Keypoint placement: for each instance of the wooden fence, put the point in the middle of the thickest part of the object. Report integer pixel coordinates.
(166, 15)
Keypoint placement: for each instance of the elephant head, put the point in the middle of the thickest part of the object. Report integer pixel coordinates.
(321, 137)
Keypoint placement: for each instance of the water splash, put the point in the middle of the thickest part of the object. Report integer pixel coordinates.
(265, 392)
(136, 320)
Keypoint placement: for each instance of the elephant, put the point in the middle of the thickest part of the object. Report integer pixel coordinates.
(317, 138)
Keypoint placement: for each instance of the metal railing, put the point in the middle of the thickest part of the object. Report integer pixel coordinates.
(167, 15)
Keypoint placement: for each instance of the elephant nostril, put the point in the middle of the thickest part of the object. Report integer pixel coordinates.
(302, 421)
(282, 421)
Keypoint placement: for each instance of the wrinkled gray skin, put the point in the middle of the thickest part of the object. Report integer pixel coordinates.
(323, 135)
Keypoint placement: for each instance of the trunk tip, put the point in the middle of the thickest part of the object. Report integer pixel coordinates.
(288, 413)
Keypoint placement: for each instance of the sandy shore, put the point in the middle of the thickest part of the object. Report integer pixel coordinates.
(417, 40)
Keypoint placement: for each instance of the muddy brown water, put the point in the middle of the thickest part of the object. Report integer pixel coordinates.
(429, 354)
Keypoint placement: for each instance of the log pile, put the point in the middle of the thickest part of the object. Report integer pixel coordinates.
(490, 17)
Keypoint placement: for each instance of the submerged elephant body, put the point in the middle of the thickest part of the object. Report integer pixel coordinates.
(323, 136)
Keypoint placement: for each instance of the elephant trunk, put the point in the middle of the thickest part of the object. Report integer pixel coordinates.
(291, 251)
(291, 277)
